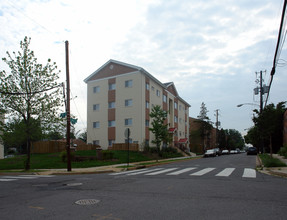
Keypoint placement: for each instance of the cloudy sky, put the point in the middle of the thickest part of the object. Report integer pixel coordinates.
(210, 49)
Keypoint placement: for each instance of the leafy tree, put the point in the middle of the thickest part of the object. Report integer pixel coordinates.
(30, 91)
(205, 125)
(159, 129)
(234, 139)
(270, 125)
(83, 136)
(222, 139)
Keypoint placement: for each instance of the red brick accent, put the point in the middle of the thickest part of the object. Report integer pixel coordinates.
(111, 114)
(112, 133)
(111, 95)
(112, 69)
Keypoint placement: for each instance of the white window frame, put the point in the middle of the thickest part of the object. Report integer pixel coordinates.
(128, 122)
(147, 86)
(96, 89)
(129, 83)
(157, 93)
(111, 105)
(96, 124)
(97, 142)
(164, 97)
(112, 86)
(111, 123)
(147, 104)
(96, 107)
(175, 105)
(128, 102)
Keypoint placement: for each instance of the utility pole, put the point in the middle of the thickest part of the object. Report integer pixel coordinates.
(68, 139)
(217, 124)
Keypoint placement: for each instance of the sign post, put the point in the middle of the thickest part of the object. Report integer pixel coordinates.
(127, 135)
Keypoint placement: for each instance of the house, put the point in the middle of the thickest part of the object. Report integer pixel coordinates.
(121, 96)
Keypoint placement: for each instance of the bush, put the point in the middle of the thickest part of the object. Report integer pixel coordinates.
(283, 151)
(63, 156)
(269, 161)
(108, 155)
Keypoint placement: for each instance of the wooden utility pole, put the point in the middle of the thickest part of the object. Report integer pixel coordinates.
(69, 167)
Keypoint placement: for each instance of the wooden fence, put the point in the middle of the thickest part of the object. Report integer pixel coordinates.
(124, 146)
(41, 147)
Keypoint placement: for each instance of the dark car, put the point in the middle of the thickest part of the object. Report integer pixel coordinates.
(252, 151)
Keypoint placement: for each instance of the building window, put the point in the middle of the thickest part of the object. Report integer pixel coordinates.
(152, 88)
(158, 93)
(147, 142)
(147, 123)
(128, 121)
(97, 89)
(130, 140)
(112, 123)
(175, 119)
(96, 124)
(128, 83)
(147, 86)
(112, 86)
(175, 105)
(164, 98)
(128, 102)
(147, 104)
(96, 107)
(111, 142)
(179, 108)
(111, 104)
(97, 142)
(180, 120)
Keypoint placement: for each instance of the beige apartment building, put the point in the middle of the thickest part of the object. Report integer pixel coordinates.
(121, 96)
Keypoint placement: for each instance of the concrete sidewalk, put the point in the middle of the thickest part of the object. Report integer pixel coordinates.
(276, 171)
(111, 168)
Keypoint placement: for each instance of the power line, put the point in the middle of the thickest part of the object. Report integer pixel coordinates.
(29, 93)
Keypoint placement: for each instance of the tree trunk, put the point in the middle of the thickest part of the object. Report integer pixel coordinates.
(271, 148)
(27, 164)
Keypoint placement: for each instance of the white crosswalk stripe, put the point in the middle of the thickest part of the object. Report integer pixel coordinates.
(202, 172)
(181, 171)
(226, 172)
(23, 177)
(145, 171)
(249, 173)
(161, 171)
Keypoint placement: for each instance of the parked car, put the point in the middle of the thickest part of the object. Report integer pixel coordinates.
(210, 153)
(218, 151)
(225, 152)
(233, 152)
(252, 151)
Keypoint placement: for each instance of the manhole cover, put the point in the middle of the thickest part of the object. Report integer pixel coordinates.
(87, 202)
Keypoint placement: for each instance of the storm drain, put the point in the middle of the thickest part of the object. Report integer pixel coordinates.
(87, 202)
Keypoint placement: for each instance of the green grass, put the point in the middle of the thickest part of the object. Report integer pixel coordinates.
(269, 161)
(54, 161)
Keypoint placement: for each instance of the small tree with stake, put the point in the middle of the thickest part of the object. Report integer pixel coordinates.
(159, 129)
(29, 91)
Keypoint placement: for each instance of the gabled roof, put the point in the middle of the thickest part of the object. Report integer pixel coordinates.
(113, 68)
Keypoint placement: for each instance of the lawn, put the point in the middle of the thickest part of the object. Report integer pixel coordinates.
(269, 161)
(54, 160)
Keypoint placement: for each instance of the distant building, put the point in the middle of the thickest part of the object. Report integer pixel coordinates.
(121, 96)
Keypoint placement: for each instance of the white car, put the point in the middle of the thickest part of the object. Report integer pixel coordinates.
(225, 152)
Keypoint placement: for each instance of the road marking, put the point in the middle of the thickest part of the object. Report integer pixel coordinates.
(146, 171)
(19, 177)
(226, 172)
(202, 172)
(6, 180)
(125, 172)
(249, 173)
(181, 171)
(161, 171)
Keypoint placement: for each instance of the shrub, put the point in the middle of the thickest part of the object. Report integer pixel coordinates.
(108, 155)
(269, 161)
(63, 155)
(283, 151)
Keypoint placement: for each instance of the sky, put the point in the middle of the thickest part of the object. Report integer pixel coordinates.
(210, 49)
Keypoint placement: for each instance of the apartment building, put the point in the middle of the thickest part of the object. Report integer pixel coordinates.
(121, 95)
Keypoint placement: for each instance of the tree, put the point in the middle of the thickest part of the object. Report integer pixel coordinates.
(270, 124)
(234, 139)
(159, 129)
(205, 125)
(30, 91)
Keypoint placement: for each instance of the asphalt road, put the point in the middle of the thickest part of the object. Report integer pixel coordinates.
(225, 187)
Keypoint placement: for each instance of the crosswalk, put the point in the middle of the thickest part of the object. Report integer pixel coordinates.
(22, 177)
(190, 171)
